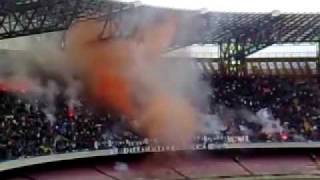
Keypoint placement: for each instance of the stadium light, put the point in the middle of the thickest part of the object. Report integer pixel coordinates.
(285, 6)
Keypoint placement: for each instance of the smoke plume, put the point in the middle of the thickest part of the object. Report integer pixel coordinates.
(130, 75)
(39, 69)
(263, 117)
(121, 66)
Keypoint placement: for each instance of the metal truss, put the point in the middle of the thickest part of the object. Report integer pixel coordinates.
(283, 28)
(26, 17)
(241, 34)
(238, 34)
(298, 67)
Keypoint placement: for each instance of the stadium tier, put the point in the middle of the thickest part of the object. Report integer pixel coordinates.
(243, 110)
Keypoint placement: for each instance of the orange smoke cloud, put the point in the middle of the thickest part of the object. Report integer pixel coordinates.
(114, 70)
(168, 118)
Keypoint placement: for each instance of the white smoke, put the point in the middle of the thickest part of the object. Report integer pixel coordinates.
(41, 66)
(269, 123)
(225, 117)
(211, 124)
(264, 118)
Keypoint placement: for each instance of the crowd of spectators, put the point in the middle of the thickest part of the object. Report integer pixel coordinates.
(28, 129)
(295, 103)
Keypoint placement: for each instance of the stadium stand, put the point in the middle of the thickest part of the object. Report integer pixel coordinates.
(27, 130)
(269, 102)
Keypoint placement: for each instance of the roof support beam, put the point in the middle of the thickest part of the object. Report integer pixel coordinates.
(22, 18)
(246, 32)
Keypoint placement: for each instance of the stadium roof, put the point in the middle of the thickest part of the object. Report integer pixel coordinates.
(256, 28)
(282, 28)
(247, 32)
(237, 5)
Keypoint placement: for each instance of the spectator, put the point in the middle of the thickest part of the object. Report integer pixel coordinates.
(28, 129)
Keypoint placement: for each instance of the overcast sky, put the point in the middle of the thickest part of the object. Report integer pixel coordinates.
(239, 5)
